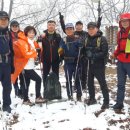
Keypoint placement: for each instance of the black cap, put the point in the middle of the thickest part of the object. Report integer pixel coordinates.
(79, 22)
(92, 25)
(14, 23)
(4, 14)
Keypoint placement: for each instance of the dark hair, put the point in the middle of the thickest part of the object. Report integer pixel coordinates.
(29, 28)
(51, 21)
(79, 22)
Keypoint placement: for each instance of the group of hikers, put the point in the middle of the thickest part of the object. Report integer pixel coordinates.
(84, 54)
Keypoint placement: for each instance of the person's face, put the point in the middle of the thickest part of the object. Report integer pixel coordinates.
(92, 31)
(69, 31)
(4, 22)
(125, 23)
(31, 34)
(79, 27)
(15, 28)
(51, 27)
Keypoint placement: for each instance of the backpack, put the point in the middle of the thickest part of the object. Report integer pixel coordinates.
(98, 46)
(4, 44)
(53, 87)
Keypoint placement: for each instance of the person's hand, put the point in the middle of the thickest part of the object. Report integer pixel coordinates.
(60, 51)
(60, 15)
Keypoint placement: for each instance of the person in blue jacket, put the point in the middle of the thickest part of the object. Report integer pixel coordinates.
(70, 46)
(6, 60)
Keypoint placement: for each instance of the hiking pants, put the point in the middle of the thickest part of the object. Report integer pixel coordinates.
(99, 73)
(31, 75)
(5, 78)
(123, 69)
(83, 71)
(70, 69)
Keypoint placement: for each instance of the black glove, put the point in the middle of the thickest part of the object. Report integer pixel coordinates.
(12, 69)
(61, 16)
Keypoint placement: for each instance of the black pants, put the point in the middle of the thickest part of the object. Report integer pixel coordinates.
(99, 73)
(83, 75)
(16, 86)
(46, 70)
(31, 75)
(5, 78)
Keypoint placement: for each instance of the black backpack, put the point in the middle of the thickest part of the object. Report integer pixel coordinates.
(53, 87)
(4, 44)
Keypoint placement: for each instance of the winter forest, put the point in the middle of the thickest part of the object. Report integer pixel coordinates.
(37, 13)
(68, 114)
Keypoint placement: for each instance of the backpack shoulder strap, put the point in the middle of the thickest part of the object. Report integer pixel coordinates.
(65, 40)
(98, 41)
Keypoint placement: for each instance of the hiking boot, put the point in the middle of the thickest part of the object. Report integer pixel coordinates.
(28, 102)
(7, 109)
(91, 101)
(70, 98)
(79, 99)
(118, 106)
(105, 106)
(40, 100)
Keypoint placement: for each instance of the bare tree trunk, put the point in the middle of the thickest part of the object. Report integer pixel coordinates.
(2, 5)
(10, 8)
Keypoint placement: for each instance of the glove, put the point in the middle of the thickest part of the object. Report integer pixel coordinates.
(60, 51)
(60, 15)
(99, 22)
(12, 69)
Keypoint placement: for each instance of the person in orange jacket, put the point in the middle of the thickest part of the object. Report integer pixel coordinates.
(14, 30)
(24, 61)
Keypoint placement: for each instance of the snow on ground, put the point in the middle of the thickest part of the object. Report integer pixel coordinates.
(69, 115)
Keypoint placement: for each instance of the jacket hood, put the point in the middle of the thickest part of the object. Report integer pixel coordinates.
(124, 16)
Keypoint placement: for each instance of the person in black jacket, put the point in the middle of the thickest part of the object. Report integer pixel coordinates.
(81, 34)
(50, 44)
(6, 60)
(96, 48)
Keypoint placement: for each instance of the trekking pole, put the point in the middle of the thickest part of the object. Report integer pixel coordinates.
(77, 63)
(85, 100)
(68, 78)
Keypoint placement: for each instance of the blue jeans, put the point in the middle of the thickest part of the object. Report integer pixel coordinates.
(123, 69)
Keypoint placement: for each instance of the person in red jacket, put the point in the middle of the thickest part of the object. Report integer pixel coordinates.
(123, 57)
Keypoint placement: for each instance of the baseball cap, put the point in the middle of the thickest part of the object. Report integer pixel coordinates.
(14, 23)
(92, 25)
(4, 14)
(69, 25)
